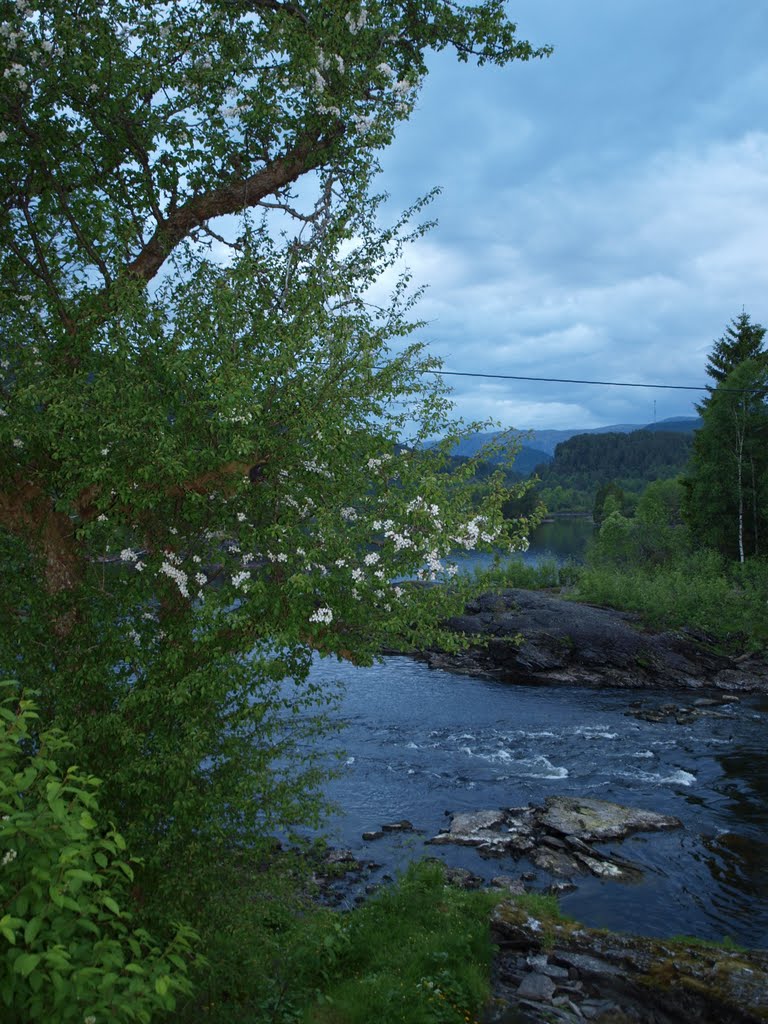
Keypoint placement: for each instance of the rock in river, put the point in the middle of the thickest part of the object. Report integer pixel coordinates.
(557, 836)
(595, 821)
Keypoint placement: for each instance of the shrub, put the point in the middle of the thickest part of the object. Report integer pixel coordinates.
(71, 952)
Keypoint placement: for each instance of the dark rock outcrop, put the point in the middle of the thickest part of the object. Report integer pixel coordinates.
(528, 636)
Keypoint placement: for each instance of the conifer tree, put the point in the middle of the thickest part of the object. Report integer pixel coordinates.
(741, 340)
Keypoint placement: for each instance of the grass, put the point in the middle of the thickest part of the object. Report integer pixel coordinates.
(546, 575)
(419, 953)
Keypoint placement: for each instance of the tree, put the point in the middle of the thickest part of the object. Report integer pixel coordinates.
(203, 481)
(741, 340)
(609, 499)
(726, 500)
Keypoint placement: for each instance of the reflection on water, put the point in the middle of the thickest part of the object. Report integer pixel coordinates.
(561, 540)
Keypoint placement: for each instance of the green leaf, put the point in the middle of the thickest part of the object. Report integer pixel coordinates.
(32, 930)
(26, 963)
(162, 984)
(110, 904)
(86, 820)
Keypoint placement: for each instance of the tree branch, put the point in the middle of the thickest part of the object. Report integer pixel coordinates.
(231, 198)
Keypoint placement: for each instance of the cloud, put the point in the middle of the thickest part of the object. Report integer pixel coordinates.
(628, 278)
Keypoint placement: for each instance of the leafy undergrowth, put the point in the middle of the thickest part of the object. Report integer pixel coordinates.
(419, 952)
(727, 601)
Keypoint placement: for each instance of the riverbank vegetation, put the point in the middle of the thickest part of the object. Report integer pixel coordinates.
(689, 550)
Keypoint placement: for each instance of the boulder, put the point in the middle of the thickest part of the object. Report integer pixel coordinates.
(557, 836)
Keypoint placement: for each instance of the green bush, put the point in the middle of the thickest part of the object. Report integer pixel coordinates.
(70, 950)
(701, 590)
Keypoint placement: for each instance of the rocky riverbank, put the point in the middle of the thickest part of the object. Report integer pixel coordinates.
(550, 970)
(529, 636)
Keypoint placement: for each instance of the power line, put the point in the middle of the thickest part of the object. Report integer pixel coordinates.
(600, 383)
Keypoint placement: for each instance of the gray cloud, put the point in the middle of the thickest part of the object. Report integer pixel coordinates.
(604, 213)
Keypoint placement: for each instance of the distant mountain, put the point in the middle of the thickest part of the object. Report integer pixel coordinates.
(525, 461)
(544, 442)
(677, 425)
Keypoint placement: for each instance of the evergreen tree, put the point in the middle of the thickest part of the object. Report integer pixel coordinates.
(726, 503)
(741, 340)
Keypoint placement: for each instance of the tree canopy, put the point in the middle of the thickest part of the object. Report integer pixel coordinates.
(726, 504)
(203, 482)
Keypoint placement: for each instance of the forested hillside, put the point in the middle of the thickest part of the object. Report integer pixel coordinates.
(585, 462)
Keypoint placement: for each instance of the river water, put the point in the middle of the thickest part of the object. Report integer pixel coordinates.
(420, 742)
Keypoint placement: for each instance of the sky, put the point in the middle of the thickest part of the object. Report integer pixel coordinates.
(604, 212)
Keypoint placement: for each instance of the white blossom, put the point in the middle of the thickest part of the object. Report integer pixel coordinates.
(239, 578)
(321, 615)
(371, 558)
(8, 856)
(349, 515)
(129, 555)
(177, 575)
(356, 23)
(400, 540)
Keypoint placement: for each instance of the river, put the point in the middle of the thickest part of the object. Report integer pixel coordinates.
(419, 742)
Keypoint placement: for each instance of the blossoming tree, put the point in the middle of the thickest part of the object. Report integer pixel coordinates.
(195, 386)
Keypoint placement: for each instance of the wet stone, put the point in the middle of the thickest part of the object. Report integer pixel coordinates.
(515, 886)
(398, 826)
(537, 987)
(461, 878)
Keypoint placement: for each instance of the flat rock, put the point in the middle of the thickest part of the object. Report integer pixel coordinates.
(538, 987)
(619, 977)
(594, 820)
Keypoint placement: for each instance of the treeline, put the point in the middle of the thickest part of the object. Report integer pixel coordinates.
(694, 551)
(587, 463)
(588, 460)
